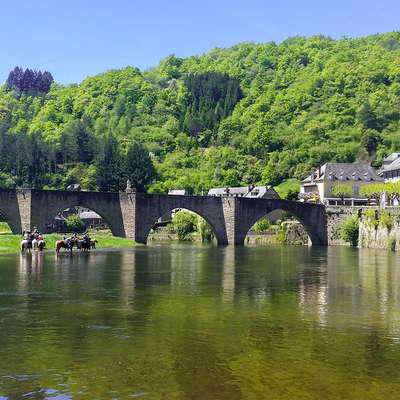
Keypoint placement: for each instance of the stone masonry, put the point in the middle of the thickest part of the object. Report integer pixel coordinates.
(132, 215)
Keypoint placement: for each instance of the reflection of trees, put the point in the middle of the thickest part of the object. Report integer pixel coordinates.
(153, 320)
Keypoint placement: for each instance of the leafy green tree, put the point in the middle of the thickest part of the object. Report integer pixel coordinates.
(342, 191)
(349, 230)
(205, 230)
(393, 190)
(372, 192)
(184, 224)
(74, 223)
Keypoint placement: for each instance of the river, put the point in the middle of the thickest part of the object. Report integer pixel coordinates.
(185, 321)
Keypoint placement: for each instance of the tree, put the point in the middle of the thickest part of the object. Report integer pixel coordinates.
(74, 223)
(184, 224)
(139, 168)
(349, 230)
(372, 192)
(205, 230)
(109, 175)
(393, 190)
(342, 191)
(29, 81)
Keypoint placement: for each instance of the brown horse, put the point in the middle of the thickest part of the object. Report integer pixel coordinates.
(65, 245)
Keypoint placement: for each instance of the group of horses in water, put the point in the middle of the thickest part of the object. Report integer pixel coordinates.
(35, 241)
(85, 243)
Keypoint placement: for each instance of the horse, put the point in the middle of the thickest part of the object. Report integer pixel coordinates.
(41, 244)
(87, 243)
(65, 244)
(26, 244)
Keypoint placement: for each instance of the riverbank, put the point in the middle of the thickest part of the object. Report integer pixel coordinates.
(253, 238)
(10, 243)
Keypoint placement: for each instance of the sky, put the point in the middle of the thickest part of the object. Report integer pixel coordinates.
(74, 39)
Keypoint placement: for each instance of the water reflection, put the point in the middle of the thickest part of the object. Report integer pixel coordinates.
(228, 274)
(246, 322)
(127, 286)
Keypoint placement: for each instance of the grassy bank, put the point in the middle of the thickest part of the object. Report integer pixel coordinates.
(11, 243)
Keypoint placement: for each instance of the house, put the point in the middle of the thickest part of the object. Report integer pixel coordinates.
(318, 186)
(178, 192)
(255, 192)
(92, 220)
(390, 170)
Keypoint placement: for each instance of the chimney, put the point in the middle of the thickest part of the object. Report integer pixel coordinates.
(319, 172)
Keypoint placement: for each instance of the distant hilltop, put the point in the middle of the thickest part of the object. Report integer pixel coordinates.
(262, 114)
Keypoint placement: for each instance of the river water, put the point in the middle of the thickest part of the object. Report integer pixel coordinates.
(195, 322)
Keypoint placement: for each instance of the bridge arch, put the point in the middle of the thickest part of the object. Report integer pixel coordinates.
(14, 226)
(50, 203)
(209, 222)
(150, 208)
(311, 216)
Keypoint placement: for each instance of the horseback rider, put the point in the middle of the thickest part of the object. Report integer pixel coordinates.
(86, 237)
(35, 232)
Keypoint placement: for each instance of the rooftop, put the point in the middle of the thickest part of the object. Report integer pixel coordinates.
(391, 163)
(343, 172)
(241, 191)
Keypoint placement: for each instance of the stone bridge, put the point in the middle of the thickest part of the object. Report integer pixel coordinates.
(133, 214)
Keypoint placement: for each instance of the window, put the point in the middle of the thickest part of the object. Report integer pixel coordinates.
(310, 189)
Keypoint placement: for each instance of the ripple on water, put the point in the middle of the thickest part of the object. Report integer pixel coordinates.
(99, 327)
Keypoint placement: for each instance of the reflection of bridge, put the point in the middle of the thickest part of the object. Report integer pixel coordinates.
(133, 214)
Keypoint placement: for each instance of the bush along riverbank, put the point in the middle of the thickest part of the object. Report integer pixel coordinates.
(373, 228)
(380, 229)
(10, 243)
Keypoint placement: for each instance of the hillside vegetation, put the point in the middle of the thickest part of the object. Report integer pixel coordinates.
(253, 113)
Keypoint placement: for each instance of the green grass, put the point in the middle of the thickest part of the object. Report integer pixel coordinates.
(11, 243)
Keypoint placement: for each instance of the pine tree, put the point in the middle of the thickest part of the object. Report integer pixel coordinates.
(139, 168)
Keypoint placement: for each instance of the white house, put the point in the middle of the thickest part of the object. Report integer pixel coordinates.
(318, 186)
(390, 170)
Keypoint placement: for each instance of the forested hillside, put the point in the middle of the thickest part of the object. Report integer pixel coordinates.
(254, 113)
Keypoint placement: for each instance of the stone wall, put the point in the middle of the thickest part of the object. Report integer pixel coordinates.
(381, 231)
(335, 216)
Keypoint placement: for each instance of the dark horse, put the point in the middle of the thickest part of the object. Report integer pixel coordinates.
(87, 244)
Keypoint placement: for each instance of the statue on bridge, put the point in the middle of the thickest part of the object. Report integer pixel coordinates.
(129, 188)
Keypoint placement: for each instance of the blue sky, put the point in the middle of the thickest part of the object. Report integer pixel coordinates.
(75, 39)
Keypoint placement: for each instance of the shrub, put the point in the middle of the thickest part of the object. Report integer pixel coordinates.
(385, 220)
(74, 223)
(349, 230)
(205, 230)
(392, 243)
(262, 225)
(370, 218)
(184, 224)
